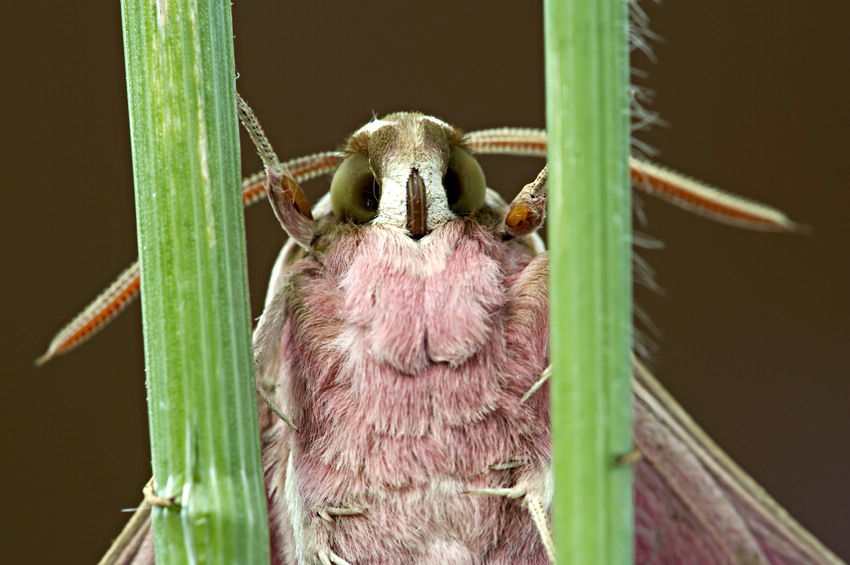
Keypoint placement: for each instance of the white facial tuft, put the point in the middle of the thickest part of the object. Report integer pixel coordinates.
(437, 121)
(410, 150)
(373, 126)
(392, 209)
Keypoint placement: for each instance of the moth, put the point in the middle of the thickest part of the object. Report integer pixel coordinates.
(402, 359)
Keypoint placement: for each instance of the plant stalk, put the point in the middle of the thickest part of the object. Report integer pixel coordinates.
(589, 222)
(197, 327)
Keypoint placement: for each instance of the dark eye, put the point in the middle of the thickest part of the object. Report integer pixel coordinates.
(354, 190)
(464, 182)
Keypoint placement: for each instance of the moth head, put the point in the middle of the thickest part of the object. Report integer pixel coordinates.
(407, 170)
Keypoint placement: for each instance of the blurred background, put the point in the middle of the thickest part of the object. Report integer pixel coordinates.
(753, 328)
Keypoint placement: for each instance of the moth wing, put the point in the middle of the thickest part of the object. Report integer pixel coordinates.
(274, 434)
(134, 545)
(274, 444)
(270, 327)
(693, 504)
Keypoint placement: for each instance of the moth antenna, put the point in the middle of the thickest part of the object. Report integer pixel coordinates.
(544, 376)
(661, 182)
(96, 315)
(286, 197)
(527, 142)
(706, 200)
(278, 412)
(125, 289)
(528, 209)
(302, 169)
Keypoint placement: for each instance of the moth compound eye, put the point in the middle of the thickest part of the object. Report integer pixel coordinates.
(354, 190)
(464, 182)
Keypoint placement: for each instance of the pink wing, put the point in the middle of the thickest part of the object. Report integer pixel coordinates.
(693, 504)
(134, 545)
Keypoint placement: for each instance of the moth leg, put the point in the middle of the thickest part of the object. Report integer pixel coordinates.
(328, 512)
(277, 411)
(528, 209)
(511, 463)
(328, 557)
(540, 517)
(630, 458)
(156, 500)
(286, 197)
(544, 376)
(511, 493)
(534, 503)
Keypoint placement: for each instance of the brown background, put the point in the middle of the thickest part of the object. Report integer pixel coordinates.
(755, 328)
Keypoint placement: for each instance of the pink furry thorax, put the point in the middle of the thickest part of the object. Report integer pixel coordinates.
(404, 364)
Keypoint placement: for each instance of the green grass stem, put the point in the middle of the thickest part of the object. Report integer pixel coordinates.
(589, 223)
(197, 327)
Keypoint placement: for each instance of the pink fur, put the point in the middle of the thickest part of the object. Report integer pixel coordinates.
(403, 363)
